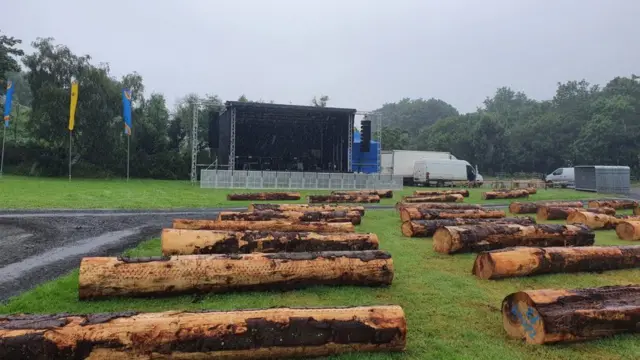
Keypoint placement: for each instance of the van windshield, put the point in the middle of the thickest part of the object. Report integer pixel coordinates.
(471, 174)
(558, 172)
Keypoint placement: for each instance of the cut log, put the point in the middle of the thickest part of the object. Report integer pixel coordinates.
(426, 228)
(616, 204)
(525, 261)
(270, 225)
(383, 194)
(408, 214)
(628, 230)
(108, 276)
(434, 198)
(188, 242)
(552, 316)
(274, 333)
(510, 194)
(294, 216)
(265, 196)
(598, 221)
(532, 207)
(437, 205)
(305, 207)
(562, 213)
(484, 237)
(421, 193)
(531, 190)
(636, 211)
(313, 199)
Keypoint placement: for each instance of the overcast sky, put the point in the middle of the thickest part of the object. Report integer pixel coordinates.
(362, 53)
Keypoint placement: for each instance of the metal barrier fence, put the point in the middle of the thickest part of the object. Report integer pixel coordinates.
(241, 179)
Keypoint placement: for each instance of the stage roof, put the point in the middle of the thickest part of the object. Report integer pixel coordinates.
(280, 107)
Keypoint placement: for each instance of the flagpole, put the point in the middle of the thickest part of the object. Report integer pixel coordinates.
(128, 147)
(4, 134)
(70, 131)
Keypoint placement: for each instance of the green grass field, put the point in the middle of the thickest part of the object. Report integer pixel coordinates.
(48, 193)
(450, 313)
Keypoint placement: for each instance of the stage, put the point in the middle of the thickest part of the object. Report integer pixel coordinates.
(274, 137)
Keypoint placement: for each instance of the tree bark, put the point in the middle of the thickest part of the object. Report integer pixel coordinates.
(265, 196)
(294, 216)
(484, 237)
(188, 242)
(562, 213)
(245, 334)
(421, 193)
(598, 221)
(616, 204)
(510, 194)
(437, 205)
(525, 261)
(270, 225)
(552, 316)
(344, 199)
(102, 277)
(305, 207)
(426, 228)
(408, 214)
(532, 207)
(531, 190)
(435, 198)
(383, 194)
(628, 230)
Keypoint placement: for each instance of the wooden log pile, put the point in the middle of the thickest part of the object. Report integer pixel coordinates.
(265, 196)
(246, 334)
(598, 221)
(526, 261)
(294, 216)
(517, 207)
(509, 194)
(562, 213)
(426, 228)
(484, 237)
(421, 193)
(189, 242)
(409, 213)
(314, 199)
(616, 204)
(304, 207)
(383, 194)
(628, 230)
(558, 315)
(434, 198)
(103, 277)
(272, 225)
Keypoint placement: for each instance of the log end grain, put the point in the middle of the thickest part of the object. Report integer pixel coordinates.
(443, 241)
(483, 266)
(521, 319)
(407, 229)
(628, 230)
(636, 211)
(405, 215)
(514, 207)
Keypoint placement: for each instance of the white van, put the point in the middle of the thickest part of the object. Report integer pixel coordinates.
(563, 176)
(441, 172)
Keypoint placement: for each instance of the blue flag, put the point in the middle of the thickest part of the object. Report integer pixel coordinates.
(126, 106)
(7, 103)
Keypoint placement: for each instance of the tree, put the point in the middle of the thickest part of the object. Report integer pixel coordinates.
(8, 54)
(243, 98)
(320, 102)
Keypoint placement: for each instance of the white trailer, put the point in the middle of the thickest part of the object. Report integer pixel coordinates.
(402, 161)
(441, 172)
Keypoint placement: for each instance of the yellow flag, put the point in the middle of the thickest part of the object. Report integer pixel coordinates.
(74, 102)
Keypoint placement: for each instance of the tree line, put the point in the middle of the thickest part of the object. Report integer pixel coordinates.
(583, 124)
(510, 132)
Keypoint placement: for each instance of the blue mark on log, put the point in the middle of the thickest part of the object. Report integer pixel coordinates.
(528, 321)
